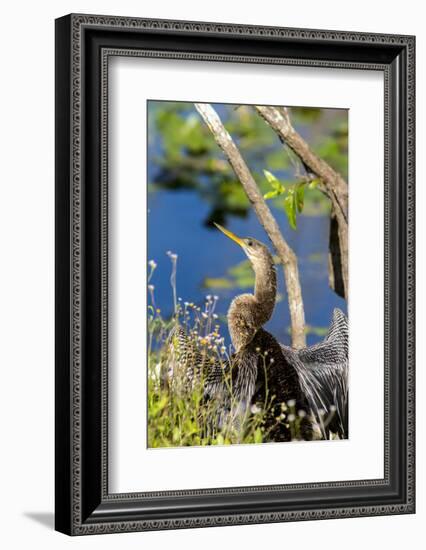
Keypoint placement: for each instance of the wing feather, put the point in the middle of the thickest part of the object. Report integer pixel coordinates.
(323, 374)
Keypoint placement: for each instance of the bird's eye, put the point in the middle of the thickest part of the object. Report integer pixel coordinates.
(249, 243)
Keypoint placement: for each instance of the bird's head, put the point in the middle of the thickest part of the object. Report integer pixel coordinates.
(257, 252)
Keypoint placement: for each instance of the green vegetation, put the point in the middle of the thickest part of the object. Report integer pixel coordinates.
(185, 156)
(178, 414)
(293, 196)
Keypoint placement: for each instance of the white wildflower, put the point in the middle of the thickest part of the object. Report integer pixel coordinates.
(171, 255)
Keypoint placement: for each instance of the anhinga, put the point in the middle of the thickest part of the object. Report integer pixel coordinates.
(313, 380)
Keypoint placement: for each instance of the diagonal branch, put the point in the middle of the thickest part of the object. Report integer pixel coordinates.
(279, 120)
(332, 184)
(266, 218)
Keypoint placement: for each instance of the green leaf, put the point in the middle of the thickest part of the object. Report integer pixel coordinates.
(313, 184)
(219, 439)
(258, 437)
(270, 195)
(300, 196)
(290, 210)
(176, 435)
(270, 177)
(294, 195)
(275, 183)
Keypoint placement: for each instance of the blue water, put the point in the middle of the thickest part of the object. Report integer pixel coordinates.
(176, 223)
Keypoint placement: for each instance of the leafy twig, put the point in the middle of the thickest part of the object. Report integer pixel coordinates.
(332, 184)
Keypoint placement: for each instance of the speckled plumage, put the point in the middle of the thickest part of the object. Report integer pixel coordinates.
(323, 373)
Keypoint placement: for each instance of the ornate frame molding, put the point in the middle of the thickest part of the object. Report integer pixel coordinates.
(85, 507)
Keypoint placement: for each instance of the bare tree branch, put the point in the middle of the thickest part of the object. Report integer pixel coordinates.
(333, 185)
(266, 218)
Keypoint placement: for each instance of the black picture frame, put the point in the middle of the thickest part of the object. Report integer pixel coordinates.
(83, 45)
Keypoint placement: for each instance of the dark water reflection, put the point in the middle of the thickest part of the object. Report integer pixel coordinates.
(175, 222)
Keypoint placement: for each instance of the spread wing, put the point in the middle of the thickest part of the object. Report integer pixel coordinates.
(323, 375)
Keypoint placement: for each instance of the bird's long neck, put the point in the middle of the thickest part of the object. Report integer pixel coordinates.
(265, 290)
(249, 312)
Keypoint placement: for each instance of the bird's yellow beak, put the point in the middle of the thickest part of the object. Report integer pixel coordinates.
(230, 234)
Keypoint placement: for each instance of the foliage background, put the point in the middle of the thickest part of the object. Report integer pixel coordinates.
(190, 185)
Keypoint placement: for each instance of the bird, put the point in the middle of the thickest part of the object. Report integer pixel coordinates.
(312, 381)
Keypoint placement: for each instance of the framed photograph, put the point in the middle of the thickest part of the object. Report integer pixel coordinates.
(234, 274)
